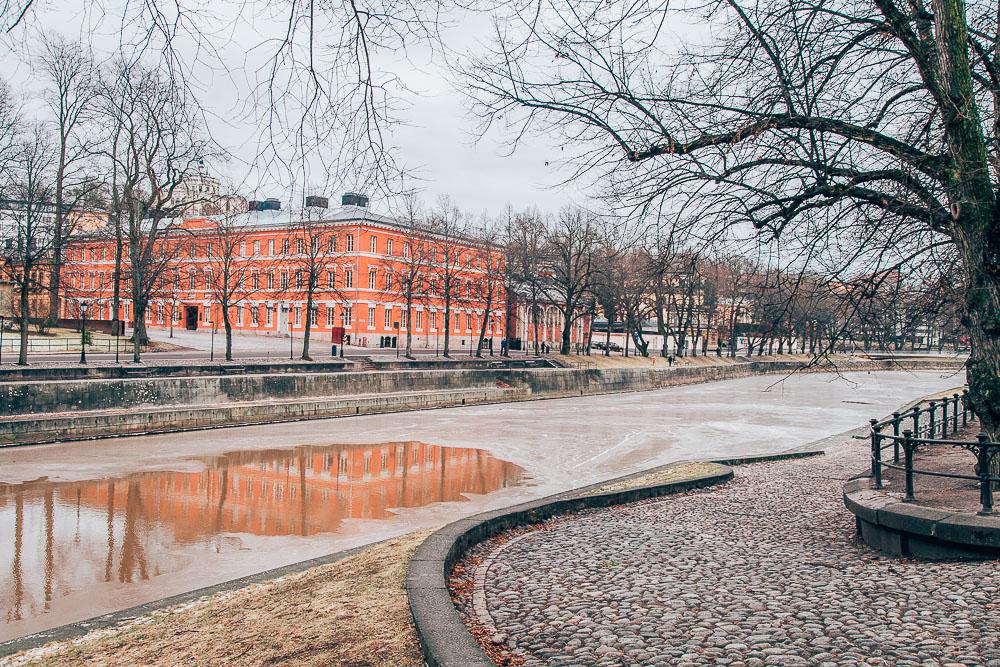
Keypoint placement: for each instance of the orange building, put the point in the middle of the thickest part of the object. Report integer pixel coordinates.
(359, 260)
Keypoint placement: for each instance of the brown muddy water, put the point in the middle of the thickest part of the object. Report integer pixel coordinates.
(73, 550)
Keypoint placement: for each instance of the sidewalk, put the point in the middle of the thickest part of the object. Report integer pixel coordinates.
(764, 570)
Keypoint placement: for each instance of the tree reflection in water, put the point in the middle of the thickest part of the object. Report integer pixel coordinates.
(66, 537)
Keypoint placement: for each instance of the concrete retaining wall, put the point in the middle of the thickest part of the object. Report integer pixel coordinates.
(144, 405)
(97, 424)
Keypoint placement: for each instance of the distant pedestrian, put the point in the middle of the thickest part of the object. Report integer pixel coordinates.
(670, 360)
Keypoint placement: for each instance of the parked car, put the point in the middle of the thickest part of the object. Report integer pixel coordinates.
(598, 345)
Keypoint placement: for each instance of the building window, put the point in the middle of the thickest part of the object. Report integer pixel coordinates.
(345, 316)
(388, 281)
(255, 280)
(239, 316)
(267, 314)
(371, 279)
(284, 246)
(300, 246)
(332, 244)
(432, 320)
(243, 248)
(298, 315)
(420, 318)
(373, 243)
(314, 315)
(348, 278)
(388, 247)
(208, 250)
(192, 279)
(406, 250)
(270, 247)
(314, 245)
(256, 248)
(270, 280)
(388, 317)
(329, 315)
(284, 280)
(350, 243)
(371, 317)
(298, 280)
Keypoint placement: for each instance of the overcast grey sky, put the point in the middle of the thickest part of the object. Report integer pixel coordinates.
(436, 142)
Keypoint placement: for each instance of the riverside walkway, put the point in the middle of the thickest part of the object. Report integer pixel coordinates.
(763, 570)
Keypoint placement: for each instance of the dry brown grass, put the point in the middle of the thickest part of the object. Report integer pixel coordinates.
(353, 612)
(674, 473)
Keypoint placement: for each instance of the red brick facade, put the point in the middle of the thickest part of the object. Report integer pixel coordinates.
(362, 252)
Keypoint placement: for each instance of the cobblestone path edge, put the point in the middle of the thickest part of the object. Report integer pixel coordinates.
(444, 638)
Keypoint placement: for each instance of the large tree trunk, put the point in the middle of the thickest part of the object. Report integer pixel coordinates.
(482, 326)
(564, 347)
(22, 355)
(447, 325)
(138, 329)
(227, 323)
(308, 324)
(979, 245)
(409, 322)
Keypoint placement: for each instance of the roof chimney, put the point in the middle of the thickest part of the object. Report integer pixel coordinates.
(354, 199)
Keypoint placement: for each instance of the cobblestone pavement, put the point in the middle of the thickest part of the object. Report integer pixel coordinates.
(764, 570)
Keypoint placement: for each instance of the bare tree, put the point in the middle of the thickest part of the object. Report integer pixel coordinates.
(234, 272)
(155, 144)
(525, 258)
(28, 245)
(316, 255)
(406, 277)
(571, 268)
(72, 79)
(448, 226)
(866, 133)
(490, 278)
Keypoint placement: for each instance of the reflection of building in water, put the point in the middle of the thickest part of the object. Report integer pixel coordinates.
(307, 491)
(112, 525)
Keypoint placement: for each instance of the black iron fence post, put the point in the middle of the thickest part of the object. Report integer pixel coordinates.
(895, 437)
(916, 419)
(954, 417)
(944, 417)
(983, 470)
(876, 453)
(965, 407)
(932, 425)
(908, 465)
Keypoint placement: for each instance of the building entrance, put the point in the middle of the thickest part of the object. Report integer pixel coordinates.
(191, 318)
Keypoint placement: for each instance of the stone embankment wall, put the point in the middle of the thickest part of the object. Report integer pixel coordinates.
(35, 412)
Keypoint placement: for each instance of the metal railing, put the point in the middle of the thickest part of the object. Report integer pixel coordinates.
(928, 424)
(66, 345)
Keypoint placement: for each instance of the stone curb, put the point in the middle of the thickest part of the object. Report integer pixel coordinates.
(898, 528)
(112, 619)
(444, 638)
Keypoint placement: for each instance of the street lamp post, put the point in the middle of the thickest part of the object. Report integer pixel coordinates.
(83, 332)
(211, 352)
(1, 338)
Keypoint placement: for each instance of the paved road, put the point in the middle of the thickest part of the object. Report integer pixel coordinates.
(764, 570)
